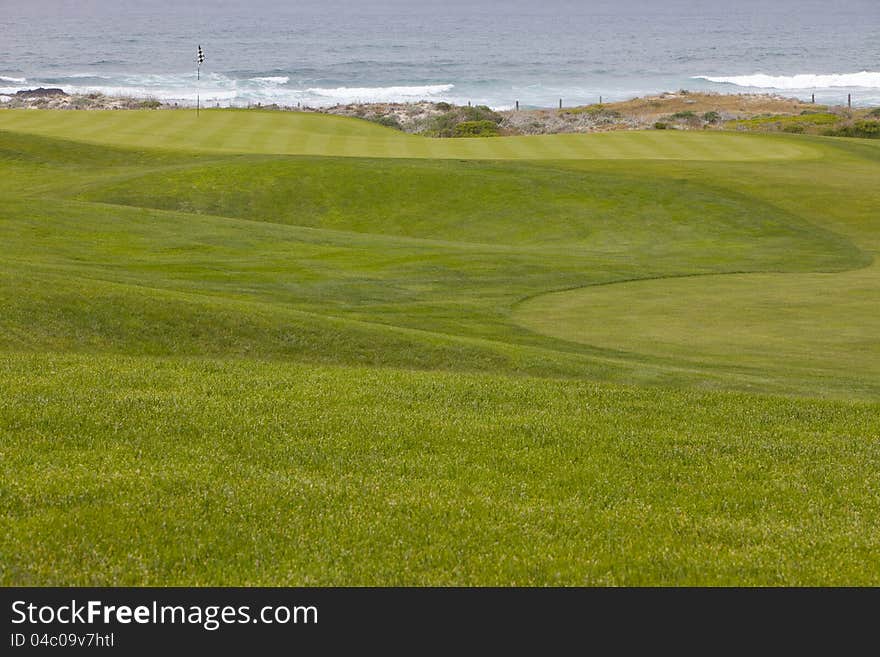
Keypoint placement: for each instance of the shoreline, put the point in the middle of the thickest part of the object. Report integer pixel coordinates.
(681, 110)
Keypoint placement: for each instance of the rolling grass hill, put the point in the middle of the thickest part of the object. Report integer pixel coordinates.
(279, 348)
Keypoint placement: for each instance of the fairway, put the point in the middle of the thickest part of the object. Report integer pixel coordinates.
(280, 348)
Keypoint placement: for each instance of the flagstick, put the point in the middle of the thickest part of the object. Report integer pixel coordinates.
(200, 58)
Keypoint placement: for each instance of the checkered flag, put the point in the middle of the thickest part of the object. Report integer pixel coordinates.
(200, 59)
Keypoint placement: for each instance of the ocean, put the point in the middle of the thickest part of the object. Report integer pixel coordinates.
(492, 52)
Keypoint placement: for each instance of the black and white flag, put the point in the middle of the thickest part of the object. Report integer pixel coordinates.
(201, 56)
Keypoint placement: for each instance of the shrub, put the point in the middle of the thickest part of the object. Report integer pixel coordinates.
(388, 121)
(480, 113)
(447, 124)
(660, 125)
(443, 106)
(875, 112)
(794, 128)
(712, 117)
(864, 129)
(476, 129)
(687, 117)
(594, 111)
(442, 125)
(867, 129)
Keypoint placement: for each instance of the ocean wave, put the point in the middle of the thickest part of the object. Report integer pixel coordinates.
(181, 95)
(280, 79)
(219, 89)
(226, 89)
(85, 76)
(381, 94)
(864, 79)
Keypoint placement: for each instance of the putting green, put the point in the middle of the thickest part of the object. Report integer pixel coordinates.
(296, 133)
(780, 326)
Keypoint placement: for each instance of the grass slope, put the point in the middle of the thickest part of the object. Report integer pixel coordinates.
(449, 361)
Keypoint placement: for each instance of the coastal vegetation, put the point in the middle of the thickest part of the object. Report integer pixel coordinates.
(290, 348)
(479, 121)
(682, 110)
(865, 129)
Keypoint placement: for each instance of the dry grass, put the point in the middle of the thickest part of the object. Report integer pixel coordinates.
(730, 106)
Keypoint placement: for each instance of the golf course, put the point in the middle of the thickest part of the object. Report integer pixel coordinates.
(287, 349)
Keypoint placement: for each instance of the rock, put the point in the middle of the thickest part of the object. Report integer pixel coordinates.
(42, 92)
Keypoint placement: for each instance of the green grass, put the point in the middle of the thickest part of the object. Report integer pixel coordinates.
(815, 329)
(295, 133)
(281, 348)
(182, 471)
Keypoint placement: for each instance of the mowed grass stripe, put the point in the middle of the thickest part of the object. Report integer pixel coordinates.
(220, 127)
(151, 124)
(245, 137)
(665, 147)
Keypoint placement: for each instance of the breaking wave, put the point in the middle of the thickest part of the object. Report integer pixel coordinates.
(381, 94)
(280, 79)
(864, 79)
(225, 90)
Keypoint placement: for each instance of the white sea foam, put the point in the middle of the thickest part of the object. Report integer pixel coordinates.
(214, 88)
(864, 79)
(280, 79)
(168, 95)
(225, 90)
(96, 76)
(9, 80)
(380, 94)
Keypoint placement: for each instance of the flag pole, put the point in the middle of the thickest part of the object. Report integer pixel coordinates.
(200, 59)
